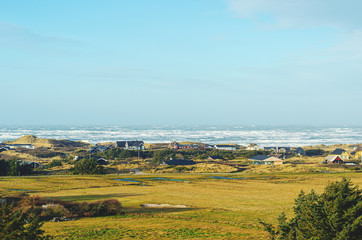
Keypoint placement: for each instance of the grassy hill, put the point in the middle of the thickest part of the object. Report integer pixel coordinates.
(49, 143)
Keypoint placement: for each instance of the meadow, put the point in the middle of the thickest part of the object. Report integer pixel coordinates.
(220, 206)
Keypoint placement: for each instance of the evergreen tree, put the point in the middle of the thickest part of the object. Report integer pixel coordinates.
(334, 214)
(19, 225)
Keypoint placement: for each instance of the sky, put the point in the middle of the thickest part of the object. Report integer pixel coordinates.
(180, 62)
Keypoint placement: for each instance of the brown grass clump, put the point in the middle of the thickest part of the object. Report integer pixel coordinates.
(50, 208)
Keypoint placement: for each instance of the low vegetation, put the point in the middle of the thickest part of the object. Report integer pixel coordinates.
(220, 206)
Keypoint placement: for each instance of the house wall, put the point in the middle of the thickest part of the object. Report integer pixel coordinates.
(278, 163)
(258, 162)
(358, 155)
(345, 156)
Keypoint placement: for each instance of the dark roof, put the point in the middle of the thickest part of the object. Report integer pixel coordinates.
(216, 157)
(135, 143)
(121, 143)
(259, 157)
(277, 155)
(275, 148)
(179, 162)
(102, 161)
(98, 148)
(130, 143)
(338, 151)
(224, 145)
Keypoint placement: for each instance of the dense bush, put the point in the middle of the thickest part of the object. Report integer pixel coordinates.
(314, 152)
(54, 163)
(14, 168)
(334, 214)
(47, 209)
(118, 153)
(87, 166)
(100, 208)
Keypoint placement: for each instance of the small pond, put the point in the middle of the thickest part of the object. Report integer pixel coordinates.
(21, 190)
(126, 180)
(167, 179)
(227, 178)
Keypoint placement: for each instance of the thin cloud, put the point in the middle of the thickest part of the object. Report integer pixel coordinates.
(306, 13)
(17, 36)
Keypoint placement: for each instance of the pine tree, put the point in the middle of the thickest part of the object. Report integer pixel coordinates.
(334, 214)
(19, 225)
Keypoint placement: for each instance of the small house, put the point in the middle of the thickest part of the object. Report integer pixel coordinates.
(176, 145)
(300, 151)
(102, 161)
(215, 158)
(357, 153)
(32, 164)
(2, 149)
(131, 145)
(225, 147)
(266, 160)
(343, 154)
(333, 159)
(98, 148)
(253, 147)
(15, 146)
(278, 149)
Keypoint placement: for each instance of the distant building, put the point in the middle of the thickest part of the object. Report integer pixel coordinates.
(99, 160)
(253, 146)
(32, 164)
(102, 161)
(178, 162)
(15, 146)
(343, 154)
(225, 147)
(278, 149)
(357, 153)
(266, 160)
(98, 148)
(215, 158)
(333, 159)
(176, 145)
(300, 151)
(4, 148)
(131, 145)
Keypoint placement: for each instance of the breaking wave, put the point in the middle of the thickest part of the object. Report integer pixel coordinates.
(262, 135)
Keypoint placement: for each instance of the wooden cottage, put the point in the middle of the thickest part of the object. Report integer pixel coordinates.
(333, 159)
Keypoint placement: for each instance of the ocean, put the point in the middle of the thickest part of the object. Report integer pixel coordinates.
(266, 135)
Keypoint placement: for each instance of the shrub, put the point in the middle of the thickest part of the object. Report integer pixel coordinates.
(100, 208)
(54, 163)
(314, 152)
(87, 166)
(55, 211)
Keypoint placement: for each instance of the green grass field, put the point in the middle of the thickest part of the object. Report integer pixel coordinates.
(218, 208)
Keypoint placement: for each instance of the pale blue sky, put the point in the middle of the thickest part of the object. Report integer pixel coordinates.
(180, 62)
